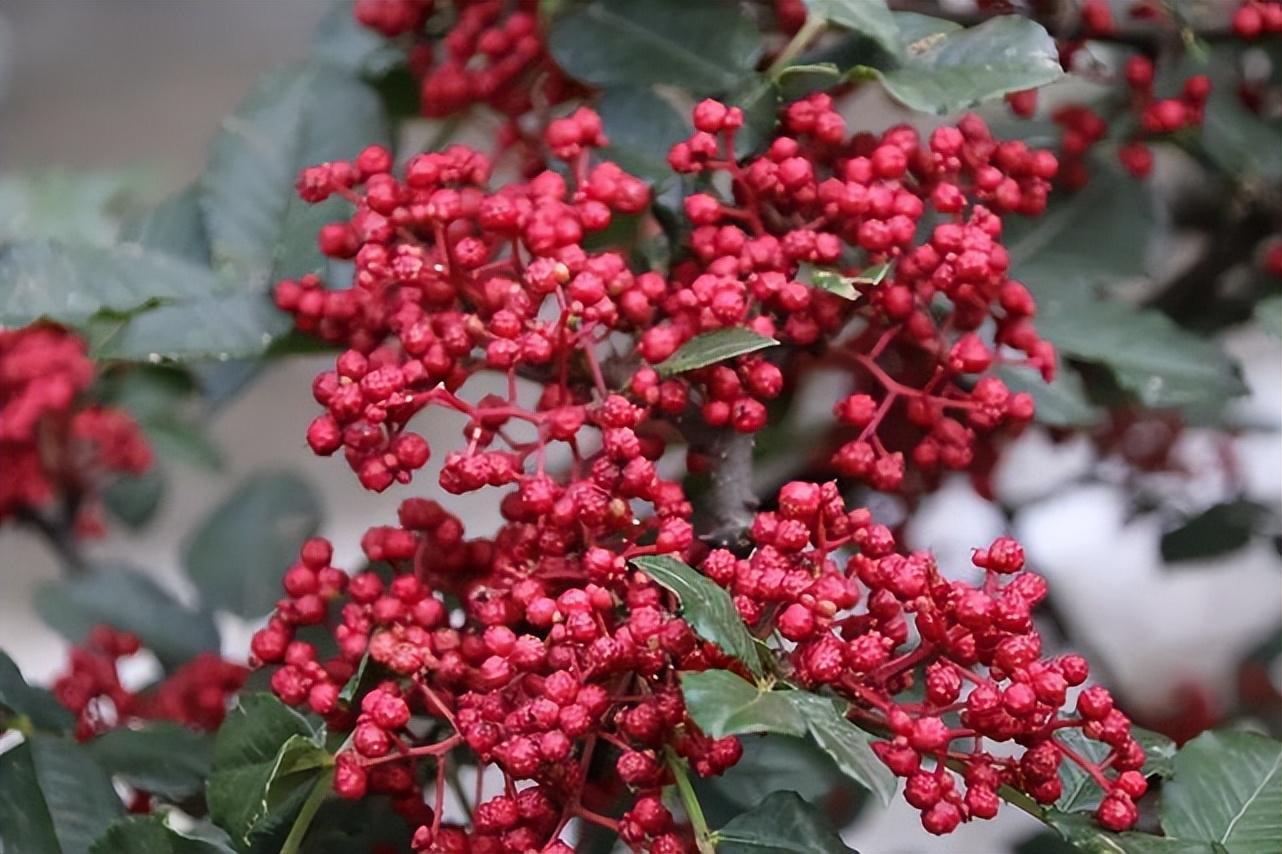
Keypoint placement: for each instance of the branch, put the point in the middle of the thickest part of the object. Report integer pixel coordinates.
(731, 497)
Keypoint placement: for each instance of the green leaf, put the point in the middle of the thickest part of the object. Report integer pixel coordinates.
(1063, 402)
(238, 555)
(759, 98)
(849, 746)
(79, 207)
(1268, 313)
(163, 758)
(1148, 355)
(260, 231)
(1219, 529)
(713, 347)
(265, 755)
(344, 43)
(843, 286)
(70, 283)
(53, 798)
(783, 822)
(363, 680)
(175, 227)
(1098, 234)
(219, 326)
(1240, 141)
(916, 28)
(1080, 792)
(949, 71)
(134, 499)
(722, 704)
(35, 704)
(771, 763)
(705, 606)
(798, 81)
(1089, 838)
(152, 835)
(181, 441)
(707, 48)
(641, 127)
(121, 597)
(1227, 789)
(869, 18)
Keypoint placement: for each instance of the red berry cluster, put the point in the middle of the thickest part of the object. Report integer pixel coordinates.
(559, 655)
(53, 445)
(565, 655)
(1256, 18)
(815, 196)
(1082, 127)
(490, 53)
(195, 694)
(975, 652)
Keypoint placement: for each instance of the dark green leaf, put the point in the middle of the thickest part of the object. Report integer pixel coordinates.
(163, 758)
(759, 98)
(344, 43)
(365, 677)
(704, 605)
(53, 798)
(79, 207)
(263, 752)
(1240, 141)
(722, 704)
(869, 18)
(849, 746)
(241, 550)
(126, 599)
(1045, 842)
(1089, 838)
(798, 81)
(259, 230)
(175, 227)
(70, 283)
(151, 835)
(771, 763)
(1159, 752)
(707, 48)
(221, 326)
(783, 822)
(1099, 233)
(357, 826)
(25, 822)
(1227, 789)
(1219, 529)
(949, 71)
(1268, 313)
(1147, 354)
(35, 704)
(641, 127)
(1080, 792)
(713, 347)
(1061, 402)
(181, 441)
(133, 499)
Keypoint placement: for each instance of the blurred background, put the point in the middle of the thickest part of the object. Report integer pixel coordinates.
(120, 98)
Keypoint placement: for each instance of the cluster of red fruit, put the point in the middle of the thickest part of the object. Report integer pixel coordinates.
(976, 653)
(1082, 127)
(466, 52)
(1256, 18)
(195, 694)
(54, 445)
(563, 656)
